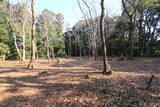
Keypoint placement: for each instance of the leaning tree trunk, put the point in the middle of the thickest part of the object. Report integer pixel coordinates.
(14, 35)
(33, 53)
(17, 48)
(106, 66)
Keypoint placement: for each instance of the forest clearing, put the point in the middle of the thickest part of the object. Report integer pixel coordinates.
(79, 53)
(66, 84)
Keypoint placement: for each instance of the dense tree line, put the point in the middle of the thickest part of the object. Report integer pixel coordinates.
(135, 33)
(16, 23)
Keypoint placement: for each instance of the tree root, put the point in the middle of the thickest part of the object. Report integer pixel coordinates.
(107, 72)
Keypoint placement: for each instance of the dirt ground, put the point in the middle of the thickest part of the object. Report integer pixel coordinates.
(67, 85)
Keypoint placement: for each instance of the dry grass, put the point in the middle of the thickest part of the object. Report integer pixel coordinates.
(65, 85)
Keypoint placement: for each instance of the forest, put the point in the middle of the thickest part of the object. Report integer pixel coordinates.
(102, 60)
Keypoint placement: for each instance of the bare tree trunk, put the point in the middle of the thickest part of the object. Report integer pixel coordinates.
(148, 48)
(89, 21)
(47, 43)
(70, 47)
(131, 23)
(94, 51)
(130, 39)
(141, 34)
(89, 52)
(14, 35)
(76, 46)
(24, 39)
(80, 43)
(33, 54)
(48, 50)
(52, 53)
(17, 48)
(80, 46)
(106, 66)
(36, 54)
(48, 54)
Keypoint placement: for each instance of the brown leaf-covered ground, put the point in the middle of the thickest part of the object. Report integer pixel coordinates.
(67, 85)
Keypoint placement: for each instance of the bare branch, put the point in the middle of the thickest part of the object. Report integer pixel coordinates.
(83, 13)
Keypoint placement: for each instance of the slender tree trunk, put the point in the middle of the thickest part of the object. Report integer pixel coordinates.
(36, 53)
(94, 47)
(68, 50)
(33, 53)
(47, 44)
(89, 53)
(94, 51)
(131, 27)
(48, 54)
(141, 34)
(52, 53)
(24, 39)
(80, 48)
(106, 66)
(15, 41)
(16, 46)
(70, 47)
(47, 49)
(148, 48)
(89, 47)
(13, 33)
(76, 47)
(130, 40)
(141, 43)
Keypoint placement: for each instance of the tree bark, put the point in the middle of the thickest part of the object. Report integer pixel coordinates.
(33, 53)
(47, 42)
(70, 47)
(24, 39)
(130, 39)
(89, 21)
(16, 46)
(48, 50)
(131, 27)
(14, 35)
(94, 46)
(106, 66)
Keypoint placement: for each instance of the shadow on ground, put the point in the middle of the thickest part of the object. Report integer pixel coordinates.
(86, 92)
(58, 87)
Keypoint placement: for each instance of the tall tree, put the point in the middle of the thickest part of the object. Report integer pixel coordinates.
(24, 21)
(50, 26)
(12, 28)
(130, 7)
(89, 19)
(20, 16)
(106, 66)
(46, 21)
(33, 53)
